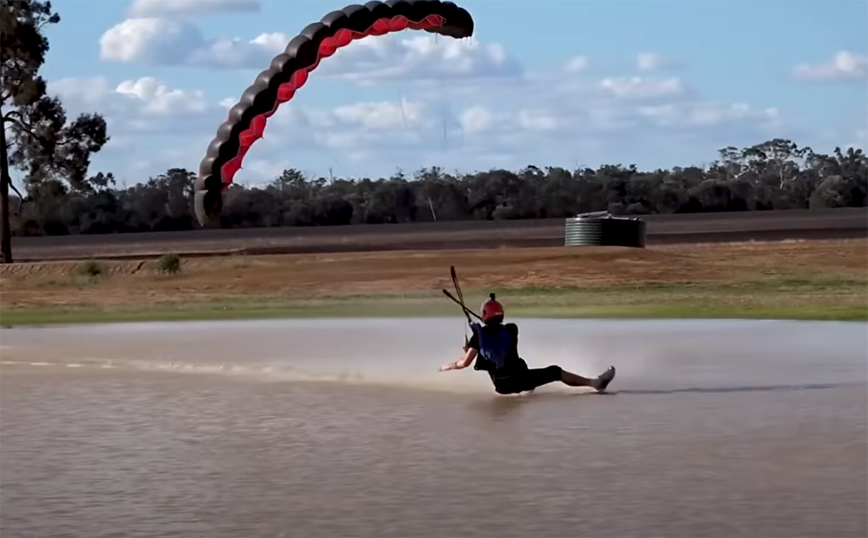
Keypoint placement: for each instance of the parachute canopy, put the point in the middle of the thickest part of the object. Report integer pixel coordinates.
(289, 72)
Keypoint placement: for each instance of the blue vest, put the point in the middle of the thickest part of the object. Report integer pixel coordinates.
(494, 346)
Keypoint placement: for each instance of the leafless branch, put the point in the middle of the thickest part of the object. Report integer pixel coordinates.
(9, 114)
(14, 188)
(21, 199)
(27, 130)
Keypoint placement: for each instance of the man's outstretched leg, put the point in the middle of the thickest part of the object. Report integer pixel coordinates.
(599, 383)
(534, 378)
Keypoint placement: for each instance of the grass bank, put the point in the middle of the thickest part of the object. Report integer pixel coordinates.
(823, 280)
(817, 299)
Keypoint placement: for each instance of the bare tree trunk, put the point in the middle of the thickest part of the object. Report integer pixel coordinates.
(5, 181)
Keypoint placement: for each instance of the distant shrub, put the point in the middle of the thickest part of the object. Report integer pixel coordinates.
(169, 264)
(90, 268)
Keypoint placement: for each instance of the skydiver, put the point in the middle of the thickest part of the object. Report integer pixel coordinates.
(494, 345)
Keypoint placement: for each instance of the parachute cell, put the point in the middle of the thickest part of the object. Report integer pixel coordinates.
(289, 72)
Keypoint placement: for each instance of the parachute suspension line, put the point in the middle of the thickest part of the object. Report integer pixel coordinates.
(450, 111)
(461, 134)
(460, 302)
(401, 101)
(466, 315)
(431, 205)
(401, 94)
(334, 158)
(445, 138)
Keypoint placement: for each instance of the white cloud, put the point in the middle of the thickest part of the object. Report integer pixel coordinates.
(272, 42)
(163, 41)
(707, 114)
(151, 125)
(172, 8)
(150, 39)
(143, 105)
(475, 119)
(156, 98)
(553, 117)
(537, 119)
(650, 61)
(609, 118)
(393, 57)
(500, 129)
(381, 115)
(845, 65)
(264, 170)
(577, 64)
(643, 88)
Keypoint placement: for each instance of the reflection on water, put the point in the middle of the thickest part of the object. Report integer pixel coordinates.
(345, 428)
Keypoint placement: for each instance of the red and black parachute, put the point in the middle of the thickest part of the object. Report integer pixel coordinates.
(289, 72)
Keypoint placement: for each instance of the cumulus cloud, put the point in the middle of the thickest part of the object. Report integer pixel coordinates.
(543, 126)
(650, 61)
(643, 88)
(173, 8)
(381, 115)
(420, 57)
(538, 119)
(272, 42)
(152, 125)
(164, 41)
(499, 129)
(154, 97)
(577, 64)
(160, 41)
(476, 119)
(707, 114)
(547, 117)
(845, 65)
(137, 106)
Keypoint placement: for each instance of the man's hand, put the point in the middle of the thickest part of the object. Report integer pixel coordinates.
(465, 361)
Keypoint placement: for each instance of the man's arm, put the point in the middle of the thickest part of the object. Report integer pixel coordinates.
(512, 329)
(462, 363)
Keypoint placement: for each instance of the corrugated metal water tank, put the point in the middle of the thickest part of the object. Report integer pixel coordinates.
(603, 229)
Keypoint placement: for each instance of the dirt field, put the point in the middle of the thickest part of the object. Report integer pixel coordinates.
(779, 268)
(661, 230)
(312, 276)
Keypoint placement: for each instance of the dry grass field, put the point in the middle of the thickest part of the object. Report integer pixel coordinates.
(796, 278)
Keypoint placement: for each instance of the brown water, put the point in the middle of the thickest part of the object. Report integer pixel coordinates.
(344, 428)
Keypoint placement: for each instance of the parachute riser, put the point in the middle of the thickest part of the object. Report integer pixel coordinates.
(460, 302)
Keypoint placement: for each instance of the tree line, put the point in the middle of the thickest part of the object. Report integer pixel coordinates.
(61, 197)
(773, 175)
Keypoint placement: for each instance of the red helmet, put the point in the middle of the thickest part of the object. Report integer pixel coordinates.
(491, 309)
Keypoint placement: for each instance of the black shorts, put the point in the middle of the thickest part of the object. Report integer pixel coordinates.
(525, 379)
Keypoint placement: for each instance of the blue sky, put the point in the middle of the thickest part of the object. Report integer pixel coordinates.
(655, 83)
